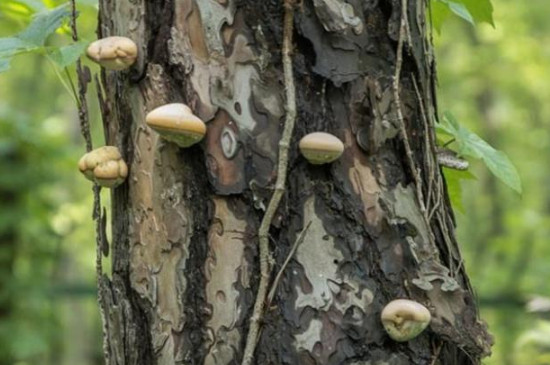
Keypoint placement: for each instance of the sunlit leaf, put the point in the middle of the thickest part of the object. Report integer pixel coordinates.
(481, 10)
(11, 45)
(67, 55)
(439, 12)
(44, 24)
(453, 180)
(470, 144)
(34, 5)
(34, 37)
(459, 9)
(473, 11)
(4, 64)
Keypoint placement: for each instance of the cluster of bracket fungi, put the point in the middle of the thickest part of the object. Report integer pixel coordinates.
(402, 319)
(176, 122)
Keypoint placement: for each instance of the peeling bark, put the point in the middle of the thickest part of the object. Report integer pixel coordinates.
(184, 250)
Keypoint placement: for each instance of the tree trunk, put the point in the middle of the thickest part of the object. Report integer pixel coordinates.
(185, 224)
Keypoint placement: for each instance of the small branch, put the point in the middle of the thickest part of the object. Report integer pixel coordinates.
(284, 143)
(71, 84)
(297, 243)
(400, 118)
(437, 203)
(436, 354)
(448, 142)
(430, 150)
(402, 130)
(69, 88)
(83, 76)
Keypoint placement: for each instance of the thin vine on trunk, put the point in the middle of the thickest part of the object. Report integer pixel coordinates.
(282, 167)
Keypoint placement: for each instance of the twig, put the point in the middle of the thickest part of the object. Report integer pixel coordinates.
(297, 243)
(71, 84)
(427, 142)
(445, 233)
(437, 200)
(83, 79)
(284, 143)
(82, 87)
(401, 119)
(69, 88)
(436, 354)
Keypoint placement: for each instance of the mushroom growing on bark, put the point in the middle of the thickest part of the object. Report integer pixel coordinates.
(177, 123)
(405, 319)
(104, 166)
(115, 53)
(320, 148)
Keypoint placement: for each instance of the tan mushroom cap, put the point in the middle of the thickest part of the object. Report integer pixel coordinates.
(115, 53)
(320, 147)
(104, 166)
(176, 123)
(405, 319)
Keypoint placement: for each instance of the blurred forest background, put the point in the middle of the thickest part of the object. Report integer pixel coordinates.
(496, 81)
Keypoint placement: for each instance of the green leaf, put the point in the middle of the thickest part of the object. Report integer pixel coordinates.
(4, 64)
(453, 180)
(460, 10)
(473, 11)
(44, 24)
(11, 45)
(470, 144)
(501, 166)
(35, 35)
(35, 5)
(481, 10)
(439, 13)
(67, 55)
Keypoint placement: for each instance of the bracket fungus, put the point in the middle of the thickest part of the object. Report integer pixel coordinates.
(114, 53)
(320, 148)
(104, 166)
(176, 123)
(405, 319)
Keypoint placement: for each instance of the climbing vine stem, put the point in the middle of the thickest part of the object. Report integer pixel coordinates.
(404, 34)
(83, 76)
(282, 166)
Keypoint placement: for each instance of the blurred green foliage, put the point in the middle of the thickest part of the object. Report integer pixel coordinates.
(493, 79)
(48, 312)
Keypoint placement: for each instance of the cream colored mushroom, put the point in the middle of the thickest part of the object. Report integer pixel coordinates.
(320, 148)
(176, 123)
(405, 319)
(104, 166)
(114, 53)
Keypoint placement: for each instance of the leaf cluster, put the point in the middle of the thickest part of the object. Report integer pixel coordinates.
(473, 11)
(34, 37)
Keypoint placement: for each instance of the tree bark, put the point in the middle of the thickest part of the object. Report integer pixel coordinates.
(185, 224)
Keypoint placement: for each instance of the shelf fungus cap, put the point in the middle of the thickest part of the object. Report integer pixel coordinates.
(177, 123)
(405, 319)
(114, 53)
(320, 148)
(104, 166)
